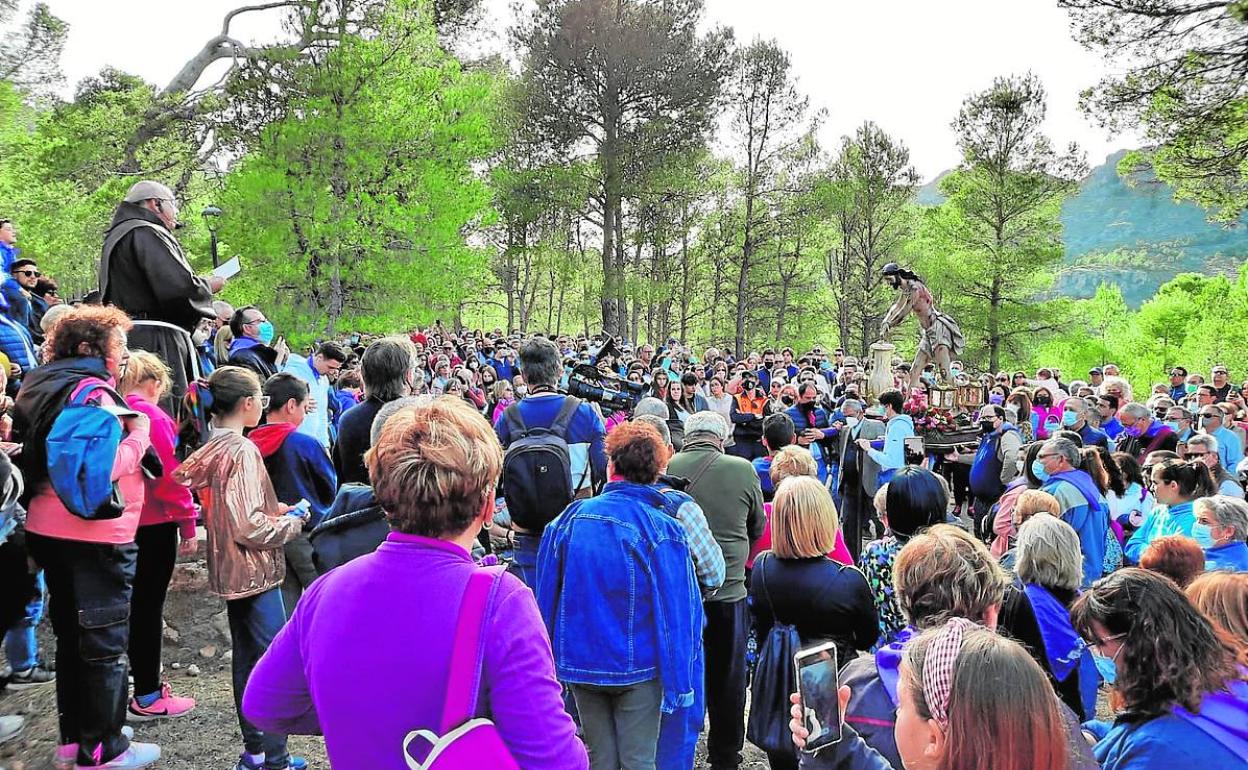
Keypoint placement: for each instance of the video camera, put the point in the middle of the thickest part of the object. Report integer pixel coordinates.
(587, 382)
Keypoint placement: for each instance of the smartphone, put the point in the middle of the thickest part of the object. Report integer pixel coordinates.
(817, 685)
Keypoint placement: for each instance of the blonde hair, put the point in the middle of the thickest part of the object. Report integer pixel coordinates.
(803, 519)
(1034, 501)
(434, 466)
(144, 366)
(792, 461)
(1049, 553)
(1223, 598)
(880, 501)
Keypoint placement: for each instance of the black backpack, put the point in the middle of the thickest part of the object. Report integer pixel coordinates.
(537, 468)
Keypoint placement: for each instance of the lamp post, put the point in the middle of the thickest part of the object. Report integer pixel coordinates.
(210, 213)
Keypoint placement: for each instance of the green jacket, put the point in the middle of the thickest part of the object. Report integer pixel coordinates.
(729, 492)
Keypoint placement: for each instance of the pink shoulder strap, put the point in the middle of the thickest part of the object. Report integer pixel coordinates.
(466, 655)
(87, 383)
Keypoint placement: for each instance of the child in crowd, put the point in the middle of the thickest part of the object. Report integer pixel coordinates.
(168, 517)
(247, 528)
(300, 469)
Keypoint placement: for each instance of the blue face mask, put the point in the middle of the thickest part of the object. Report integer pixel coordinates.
(1105, 666)
(1037, 470)
(1174, 426)
(1203, 534)
(1070, 418)
(266, 332)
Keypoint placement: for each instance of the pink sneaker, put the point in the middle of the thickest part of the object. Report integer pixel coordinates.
(66, 755)
(167, 706)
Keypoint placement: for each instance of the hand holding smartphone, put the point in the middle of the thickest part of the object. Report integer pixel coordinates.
(817, 686)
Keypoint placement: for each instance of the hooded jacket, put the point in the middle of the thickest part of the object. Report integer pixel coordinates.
(1215, 737)
(38, 403)
(299, 468)
(245, 530)
(147, 275)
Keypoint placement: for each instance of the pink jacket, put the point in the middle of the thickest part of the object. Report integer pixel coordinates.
(166, 500)
(49, 517)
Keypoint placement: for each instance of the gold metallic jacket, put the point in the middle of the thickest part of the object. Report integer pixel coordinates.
(245, 531)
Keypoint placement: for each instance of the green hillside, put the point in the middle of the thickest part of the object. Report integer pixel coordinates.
(1134, 235)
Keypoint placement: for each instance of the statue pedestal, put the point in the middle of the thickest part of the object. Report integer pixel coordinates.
(881, 377)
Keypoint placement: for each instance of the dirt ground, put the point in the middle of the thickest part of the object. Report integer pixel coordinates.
(206, 739)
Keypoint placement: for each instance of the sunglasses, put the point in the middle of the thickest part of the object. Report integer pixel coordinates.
(30, 273)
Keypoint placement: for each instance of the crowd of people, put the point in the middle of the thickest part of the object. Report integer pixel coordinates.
(433, 554)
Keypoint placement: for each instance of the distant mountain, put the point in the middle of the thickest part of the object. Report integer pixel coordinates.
(1134, 235)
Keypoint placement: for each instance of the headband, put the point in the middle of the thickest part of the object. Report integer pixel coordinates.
(942, 653)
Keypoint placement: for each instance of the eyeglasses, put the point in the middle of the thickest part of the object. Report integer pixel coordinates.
(264, 401)
(29, 273)
(1191, 454)
(1046, 457)
(1095, 642)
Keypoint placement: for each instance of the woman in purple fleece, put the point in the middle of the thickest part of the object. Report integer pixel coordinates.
(364, 660)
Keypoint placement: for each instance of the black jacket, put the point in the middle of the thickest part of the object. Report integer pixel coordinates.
(261, 359)
(148, 276)
(354, 526)
(43, 394)
(823, 600)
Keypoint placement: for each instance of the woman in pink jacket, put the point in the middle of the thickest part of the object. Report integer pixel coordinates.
(88, 563)
(168, 516)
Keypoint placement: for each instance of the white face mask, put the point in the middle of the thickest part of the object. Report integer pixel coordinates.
(199, 336)
(851, 421)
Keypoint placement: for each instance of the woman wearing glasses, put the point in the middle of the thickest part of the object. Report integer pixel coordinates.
(1177, 684)
(247, 528)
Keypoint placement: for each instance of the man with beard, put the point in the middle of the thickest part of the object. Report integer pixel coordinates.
(144, 272)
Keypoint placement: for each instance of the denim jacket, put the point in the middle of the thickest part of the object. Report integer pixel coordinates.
(616, 588)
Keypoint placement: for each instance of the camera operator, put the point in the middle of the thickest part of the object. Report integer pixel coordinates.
(749, 407)
(541, 368)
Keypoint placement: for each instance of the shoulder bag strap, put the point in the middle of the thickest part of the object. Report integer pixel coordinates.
(466, 654)
(760, 565)
(701, 471)
(563, 420)
(515, 421)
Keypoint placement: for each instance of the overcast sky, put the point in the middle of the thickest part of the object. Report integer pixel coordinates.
(906, 64)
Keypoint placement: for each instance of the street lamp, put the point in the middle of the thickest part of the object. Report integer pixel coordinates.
(210, 213)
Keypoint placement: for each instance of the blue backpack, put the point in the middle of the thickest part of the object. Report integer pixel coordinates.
(82, 447)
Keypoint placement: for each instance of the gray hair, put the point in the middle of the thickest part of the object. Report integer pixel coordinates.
(651, 406)
(1136, 410)
(1204, 439)
(1066, 448)
(1049, 553)
(710, 423)
(1079, 404)
(53, 313)
(851, 405)
(389, 409)
(1229, 511)
(659, 424)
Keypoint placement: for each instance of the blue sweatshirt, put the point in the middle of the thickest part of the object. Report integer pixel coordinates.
(586, 434)
(299, 467)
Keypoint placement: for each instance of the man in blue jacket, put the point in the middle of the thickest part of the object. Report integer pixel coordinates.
(318, 371)
(541, 367)
(300, 470)
(900, 426)
(1078, 499)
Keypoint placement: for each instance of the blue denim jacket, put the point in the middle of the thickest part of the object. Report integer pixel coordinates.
(616, 587)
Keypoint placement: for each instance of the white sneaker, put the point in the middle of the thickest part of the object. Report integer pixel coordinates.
(67, 754)
(137, 756)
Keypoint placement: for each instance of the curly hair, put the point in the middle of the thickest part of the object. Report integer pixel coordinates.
(1177, 557)
(637, 452)
(86, 330)
(1171, 654)
(946, 573)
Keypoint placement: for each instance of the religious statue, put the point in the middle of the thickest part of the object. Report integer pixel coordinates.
(940, 339)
